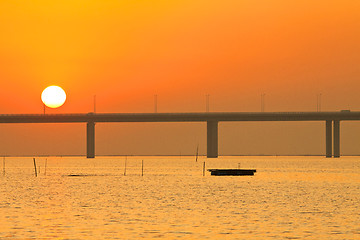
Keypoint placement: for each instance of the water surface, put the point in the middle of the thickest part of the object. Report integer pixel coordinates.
(288, 198)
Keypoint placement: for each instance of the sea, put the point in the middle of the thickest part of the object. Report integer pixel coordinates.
(175, 197)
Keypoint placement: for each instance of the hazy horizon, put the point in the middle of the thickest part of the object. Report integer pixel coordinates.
(237, 138)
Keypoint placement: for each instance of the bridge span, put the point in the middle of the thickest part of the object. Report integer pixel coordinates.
(331, 119)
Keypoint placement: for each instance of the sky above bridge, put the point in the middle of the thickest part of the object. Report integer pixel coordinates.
(125, 52)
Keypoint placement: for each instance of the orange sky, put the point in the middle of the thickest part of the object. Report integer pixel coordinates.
(127, 51)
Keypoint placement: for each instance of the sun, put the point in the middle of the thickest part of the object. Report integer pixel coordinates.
(53, 96)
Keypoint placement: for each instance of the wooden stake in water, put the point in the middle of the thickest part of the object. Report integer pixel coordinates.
(197, 153)
(45, 166)
(35, 167)
(125, 166)
(142, 167)
(4, 166)
(204, 169)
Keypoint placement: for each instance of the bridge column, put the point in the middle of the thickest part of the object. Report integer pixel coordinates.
(328, 138)
(212, 139)
(336, 138)
(90, 140)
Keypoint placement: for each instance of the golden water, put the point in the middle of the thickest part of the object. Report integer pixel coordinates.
(288, 198)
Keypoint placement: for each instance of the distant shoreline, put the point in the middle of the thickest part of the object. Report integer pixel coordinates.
(175, 155)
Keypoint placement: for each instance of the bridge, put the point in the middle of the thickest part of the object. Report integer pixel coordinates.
(331, 119)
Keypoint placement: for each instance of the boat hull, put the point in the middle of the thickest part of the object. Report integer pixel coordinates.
(232, 172)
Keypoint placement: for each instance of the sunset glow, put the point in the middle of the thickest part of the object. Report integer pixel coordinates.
(125, 52)
(191, 119)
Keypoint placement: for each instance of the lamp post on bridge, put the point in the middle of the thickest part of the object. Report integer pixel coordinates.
(207, 102)
(262, 108)
(155, 103)
(94, 103)
(318, 102)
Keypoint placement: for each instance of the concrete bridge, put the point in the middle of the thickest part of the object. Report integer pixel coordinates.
(331, 119)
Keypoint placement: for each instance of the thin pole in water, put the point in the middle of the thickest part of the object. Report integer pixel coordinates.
(45, 166)
(4, 166)
(204, 169)
(35, 167)
(142, 167)
(197, 153)
(125, 166)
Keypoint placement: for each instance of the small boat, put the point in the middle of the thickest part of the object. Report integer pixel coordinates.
(232, 172)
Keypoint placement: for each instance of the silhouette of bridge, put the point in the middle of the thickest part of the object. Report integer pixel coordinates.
(331, 119)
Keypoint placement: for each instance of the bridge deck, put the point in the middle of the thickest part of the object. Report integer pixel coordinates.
(178, 117)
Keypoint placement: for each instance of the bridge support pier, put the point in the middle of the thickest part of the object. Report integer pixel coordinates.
(90, 140)
(328, 138)
(336, 138)
(212, 139)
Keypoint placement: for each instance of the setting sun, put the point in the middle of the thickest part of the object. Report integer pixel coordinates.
(53, 96)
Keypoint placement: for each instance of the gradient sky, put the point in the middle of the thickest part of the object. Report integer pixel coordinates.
(124, 52)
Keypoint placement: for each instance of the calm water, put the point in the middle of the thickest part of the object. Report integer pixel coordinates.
(288, 198)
